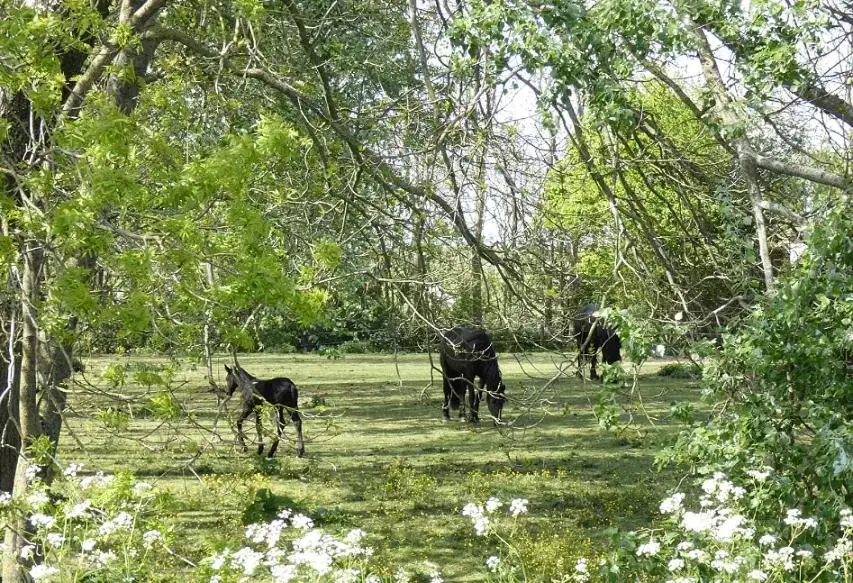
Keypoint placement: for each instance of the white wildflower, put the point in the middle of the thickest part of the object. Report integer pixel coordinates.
(757, 575)
(104, 558)
(301, 522)
(32, 472)
(672, 504)
(43, 571)
(218, 559)
(759, 475)
(5, 498)
(141, 487)
(675, 565)
(38, 499)
(247, 560)
(72, 469)
(27, 552)
(88, 545)
(767, 540)
(55, 539)
(843, 547)
(492, 563)
(355, 536)
(401, 576)
(518, 506)
(649, 549)
(697, 555)
(493, 504)
(122, 521)
(79, 510)
(150, 537)
(42, 520)
(283, 573)
(846, 518)
(435, 577)
(99, 479)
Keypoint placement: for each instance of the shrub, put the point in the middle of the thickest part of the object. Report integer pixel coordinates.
(681, 370)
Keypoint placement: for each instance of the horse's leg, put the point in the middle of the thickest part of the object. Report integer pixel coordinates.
(247, 410)
(279, 423)
(471, 395)
(260, 428)
(297, 423)
(448, 390)
(593, 359)
(460, 389)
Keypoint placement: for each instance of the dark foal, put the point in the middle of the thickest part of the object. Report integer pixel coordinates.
(592, 335)
(281, 393)
(466, 353)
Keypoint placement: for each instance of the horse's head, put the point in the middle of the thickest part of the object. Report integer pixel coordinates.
(495, 399)
(231, 382)
(610, 349)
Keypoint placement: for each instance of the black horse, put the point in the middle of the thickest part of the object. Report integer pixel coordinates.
(468, 352)
(279, 392)
(593, 335)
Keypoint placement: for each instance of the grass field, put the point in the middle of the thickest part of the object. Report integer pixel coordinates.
(379, 457)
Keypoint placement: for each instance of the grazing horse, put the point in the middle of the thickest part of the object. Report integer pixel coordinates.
(280, 392)
(468, 352)
(592, 335)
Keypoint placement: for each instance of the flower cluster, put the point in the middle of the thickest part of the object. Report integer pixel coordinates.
(311, 553)
(720, 541)
(88, 528)
(479, 513)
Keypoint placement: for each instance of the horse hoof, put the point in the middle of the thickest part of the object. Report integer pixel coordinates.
(260, 450)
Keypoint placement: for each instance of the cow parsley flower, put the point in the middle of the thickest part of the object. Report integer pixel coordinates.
(38, 499)
(32, 472)
(846, 518)
(672, 504)
(88, 545)
(72, 469)
(122, 521)
(649, 549)
(42, 520)
(493, 504)
(55, 539)
(767, 540)
(842, 548)
(675, 565)
(435, 577)
(5, 498)
(150, 537)
(79, 510)
(518, 506)
(42, 571)
(759, 475)
(283, 573)
(301, 522)
(247, 560)
(757, 575)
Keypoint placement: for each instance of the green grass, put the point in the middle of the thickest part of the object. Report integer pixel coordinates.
(379, 457)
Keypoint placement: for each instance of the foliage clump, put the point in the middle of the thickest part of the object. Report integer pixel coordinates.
(784, 381)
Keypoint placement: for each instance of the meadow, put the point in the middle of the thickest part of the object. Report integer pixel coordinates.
(379, 457)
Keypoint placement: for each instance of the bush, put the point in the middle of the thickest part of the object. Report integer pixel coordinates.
(785, 380)
(356, 347)
(681, 370)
